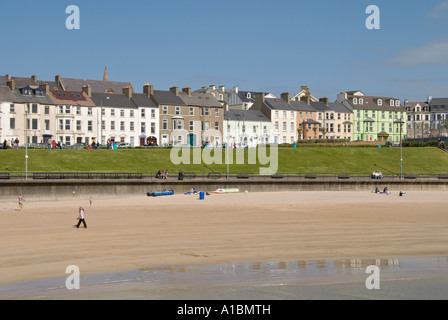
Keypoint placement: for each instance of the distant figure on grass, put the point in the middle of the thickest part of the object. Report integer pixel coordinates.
(81, 218)
(20, 200)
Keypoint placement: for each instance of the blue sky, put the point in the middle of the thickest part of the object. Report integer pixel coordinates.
(259, 45)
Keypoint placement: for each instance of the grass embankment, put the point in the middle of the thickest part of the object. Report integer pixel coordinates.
(324, 160)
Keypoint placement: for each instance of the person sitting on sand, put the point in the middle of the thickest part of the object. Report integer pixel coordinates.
(386, 191)
(377, 190)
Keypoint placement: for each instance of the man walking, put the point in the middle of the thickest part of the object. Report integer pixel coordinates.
(81, 218)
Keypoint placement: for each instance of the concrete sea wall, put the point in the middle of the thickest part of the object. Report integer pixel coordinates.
(60, 189)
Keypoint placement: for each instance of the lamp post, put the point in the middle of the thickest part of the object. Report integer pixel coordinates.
(400, 122)
(26, 141)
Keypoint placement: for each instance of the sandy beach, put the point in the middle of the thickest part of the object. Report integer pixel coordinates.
(139, 232)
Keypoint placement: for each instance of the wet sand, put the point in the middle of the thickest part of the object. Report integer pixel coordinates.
(141, 232)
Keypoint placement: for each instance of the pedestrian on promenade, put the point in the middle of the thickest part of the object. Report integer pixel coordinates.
(81, 218)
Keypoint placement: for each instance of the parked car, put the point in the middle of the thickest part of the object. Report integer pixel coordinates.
(123, 145)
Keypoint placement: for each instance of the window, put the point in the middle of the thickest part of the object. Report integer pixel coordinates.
(122, 113)
(397, 103)
(61, 124)
(300, 114)
(47, 124)
(12, 123)
(284, 126)
(177, 111)
(216, 112)
(380, 102)
(191, 113)
(67, 125)
(112, 112)
(62, 94)
(103, 112)
(78, 125)
(47, 110)
(292, 115)
(165, 124)
(207, 111)
(276, 125)
(355, 100)
(89, 111)
(67, 140)
(291, 126)
(284, 114)
(34, 108)
(361, 101)
(165, 110)
(68, 109)
(392, 103)
(276, 114)
(207, 126)
(143, 113)
(132, 126)
(284, 139)
(89, 125)
(191, 127)
(112, 125)
(12, 108)
(177, 124)
(78, 110)
(217, 126)
(339, 128)
(143, 127)
(103, 125)
(76, 95)
(153, 113)
(122, 126)
(131, 113)
(153, 128)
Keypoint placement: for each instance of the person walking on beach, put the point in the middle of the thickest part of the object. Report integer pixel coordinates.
(20, 200)
(91, 201)
(81, 218)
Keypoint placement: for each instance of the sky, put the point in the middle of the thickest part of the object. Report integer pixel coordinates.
(257, 45)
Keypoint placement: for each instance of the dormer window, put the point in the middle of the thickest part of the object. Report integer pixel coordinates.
(397, 103)
(361, 101)
(62, 94)
(355, 100)
(40, 92)
(248, 96)
(27, 91)
(380, 102)
(392, 103)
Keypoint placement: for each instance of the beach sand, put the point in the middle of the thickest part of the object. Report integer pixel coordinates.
(127, 233)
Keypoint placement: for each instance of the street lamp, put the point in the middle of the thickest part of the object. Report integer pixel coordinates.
(26, 140)
(400, 122)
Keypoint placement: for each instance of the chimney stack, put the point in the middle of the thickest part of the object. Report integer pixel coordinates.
(306, 99)
(235, 89)
(57, 79)
(148, 89)
(87, 90)
(259, 97)
(8, 77)
(46, 87)
(128, 92)
(324, 100)
(34, 77)
(187, 90)
(11, 84)
(213, 87)
(175, 90)
(223, 89)
(285, 96)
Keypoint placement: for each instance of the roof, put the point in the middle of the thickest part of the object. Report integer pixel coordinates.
(168, 97)
(200, 99)
(439, 101)
(112, 100)
(6, 94)
(339, 108)
(21, 82)
(246, 115)
(142, 100)
(97, 86)
(33, 98)
(371, 103)
(279, 104)
(74, 98)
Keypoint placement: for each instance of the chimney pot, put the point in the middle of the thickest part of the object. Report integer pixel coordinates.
(175, 90)
(11, 84)
(324, 100)
(148, 89)
(223, 88)
(87, 90)
(128, 92)
(285, 96)
(187, 90)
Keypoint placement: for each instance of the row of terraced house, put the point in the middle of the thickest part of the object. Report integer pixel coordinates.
(75, 111)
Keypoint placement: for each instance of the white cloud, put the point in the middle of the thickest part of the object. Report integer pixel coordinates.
(431, 53)
(439, 11)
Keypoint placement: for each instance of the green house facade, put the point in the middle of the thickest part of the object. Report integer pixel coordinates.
(375, 118)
